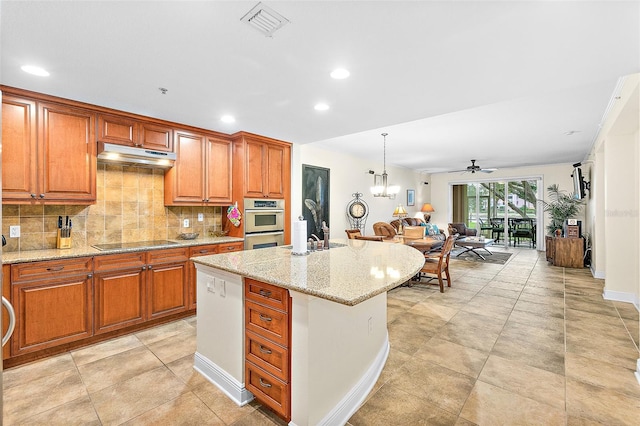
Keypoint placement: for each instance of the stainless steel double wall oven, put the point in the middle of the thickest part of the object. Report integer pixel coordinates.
(263, 223)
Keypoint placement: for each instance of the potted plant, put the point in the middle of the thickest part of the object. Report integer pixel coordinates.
(561, 206)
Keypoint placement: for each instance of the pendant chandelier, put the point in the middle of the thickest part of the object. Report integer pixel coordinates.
(382, 188)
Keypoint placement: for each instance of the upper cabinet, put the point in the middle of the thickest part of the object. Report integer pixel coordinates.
(202, 173)
(266, 166)
(124, 130)
(48, 160)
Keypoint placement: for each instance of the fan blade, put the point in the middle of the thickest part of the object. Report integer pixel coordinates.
(488, 170)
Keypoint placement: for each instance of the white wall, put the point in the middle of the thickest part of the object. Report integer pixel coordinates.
(349, 175)
(617, 159)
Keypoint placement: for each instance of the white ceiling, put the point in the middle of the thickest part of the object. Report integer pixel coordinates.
(500, 82)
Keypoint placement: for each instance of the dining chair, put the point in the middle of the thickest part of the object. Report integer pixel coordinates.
(352, 233)
(438, 263)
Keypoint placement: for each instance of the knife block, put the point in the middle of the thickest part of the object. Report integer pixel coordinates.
(63, 243)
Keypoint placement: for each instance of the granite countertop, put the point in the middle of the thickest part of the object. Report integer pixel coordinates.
(53, 254)
(351, 272)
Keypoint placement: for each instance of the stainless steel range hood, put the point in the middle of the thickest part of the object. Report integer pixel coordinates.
(139, 157)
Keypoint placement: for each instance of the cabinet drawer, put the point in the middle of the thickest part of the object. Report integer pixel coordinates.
(167, 255)
(230, 247)
(203, 250)
(267, 355)
(268, 390)
(50, 269)
(113, 262)
(267, 294)
(267, 322)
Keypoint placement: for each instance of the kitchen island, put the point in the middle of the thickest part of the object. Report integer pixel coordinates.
(334, 341)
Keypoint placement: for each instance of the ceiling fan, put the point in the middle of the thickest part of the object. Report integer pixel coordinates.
(473, 168)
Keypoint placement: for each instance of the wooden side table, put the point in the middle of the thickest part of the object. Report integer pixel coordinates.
(567, 252)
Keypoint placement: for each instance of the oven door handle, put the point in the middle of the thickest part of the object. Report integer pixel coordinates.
(257, 234)
(263, 211)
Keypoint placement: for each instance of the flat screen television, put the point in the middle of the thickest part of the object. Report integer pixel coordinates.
(579, 185)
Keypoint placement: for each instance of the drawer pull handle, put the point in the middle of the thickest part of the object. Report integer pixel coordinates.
(265, 293)
(204, 251)
(264, 318)
(55, 269)
(265, 350)
(264, 384)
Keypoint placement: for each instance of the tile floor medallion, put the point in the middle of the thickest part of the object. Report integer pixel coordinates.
(520, 343)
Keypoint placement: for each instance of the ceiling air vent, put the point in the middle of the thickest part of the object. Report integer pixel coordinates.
(265, 19)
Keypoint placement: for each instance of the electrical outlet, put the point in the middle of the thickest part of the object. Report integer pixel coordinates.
(370, 324)
(185, 223)
(222, 289)
(200, 217)
(211, 287)
(14, 232)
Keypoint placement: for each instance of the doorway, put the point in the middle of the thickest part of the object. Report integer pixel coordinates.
(504, 210)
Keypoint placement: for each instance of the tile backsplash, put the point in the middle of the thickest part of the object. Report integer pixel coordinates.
(129, 207)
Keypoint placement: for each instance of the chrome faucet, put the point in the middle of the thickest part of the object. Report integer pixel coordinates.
(318, 241)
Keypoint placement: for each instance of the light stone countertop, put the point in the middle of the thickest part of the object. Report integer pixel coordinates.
(54, 254)
(355, 271)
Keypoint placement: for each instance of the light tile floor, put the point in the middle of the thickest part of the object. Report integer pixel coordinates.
(520, 343)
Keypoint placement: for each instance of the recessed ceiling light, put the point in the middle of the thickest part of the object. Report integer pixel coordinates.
(32, 69)
(340, 73)
(228, 119)
(321, 107)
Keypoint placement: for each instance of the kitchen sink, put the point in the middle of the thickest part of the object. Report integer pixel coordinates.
(133, 245)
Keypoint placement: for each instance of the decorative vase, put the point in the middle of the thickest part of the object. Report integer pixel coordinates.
(558, 232)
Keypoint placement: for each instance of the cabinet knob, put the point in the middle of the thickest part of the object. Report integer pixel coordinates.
(33, 195)
(144, 268)
(150, 267)
(90, 276)
(41, 195)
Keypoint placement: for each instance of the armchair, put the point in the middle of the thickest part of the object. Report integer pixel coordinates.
(462, 230)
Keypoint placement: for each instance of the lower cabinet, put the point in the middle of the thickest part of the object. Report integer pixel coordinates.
(120, 291)
(167, 290)
(52, 301)
(267, 343)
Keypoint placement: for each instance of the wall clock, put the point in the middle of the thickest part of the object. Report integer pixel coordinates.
(357, 212)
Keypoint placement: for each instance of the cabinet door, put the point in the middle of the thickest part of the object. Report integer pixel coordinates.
(6, 292)
(120, 291)
(275, 170)
(184, 182)
(167, 292)
(67, 164)
(254, 169)
(156, 137)
(118, 130)
(218, 171)
(19, 138)
(52, 312)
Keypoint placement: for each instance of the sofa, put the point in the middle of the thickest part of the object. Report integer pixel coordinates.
(432, 231)
(462, 230)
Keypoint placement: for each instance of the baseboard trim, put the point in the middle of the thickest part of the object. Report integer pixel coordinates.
(597, 274)
(352, 401)
(226, 383)
(621, 296)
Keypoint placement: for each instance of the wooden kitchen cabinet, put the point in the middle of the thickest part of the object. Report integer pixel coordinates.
(267, 168)
(6, 292)
(167, 277)
(267, 343)
(53, 303)
(53, 162)
(123, 130)
(202, 172)
(120, 291)
(19, 138)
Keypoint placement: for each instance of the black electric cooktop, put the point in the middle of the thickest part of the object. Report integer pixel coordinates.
(133, 245)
